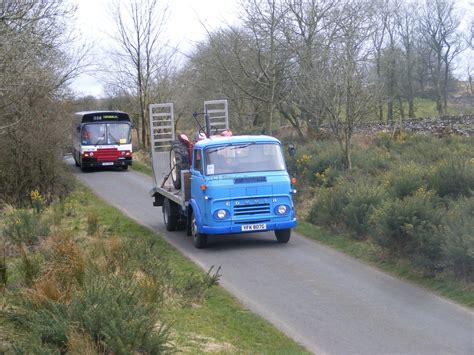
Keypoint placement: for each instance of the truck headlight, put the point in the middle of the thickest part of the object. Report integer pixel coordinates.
(281, 210)
(221, 214)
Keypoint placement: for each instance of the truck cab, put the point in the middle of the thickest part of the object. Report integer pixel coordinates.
(235, 184)
(240, 184)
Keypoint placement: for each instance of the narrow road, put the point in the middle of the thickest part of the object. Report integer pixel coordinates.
(326, 301)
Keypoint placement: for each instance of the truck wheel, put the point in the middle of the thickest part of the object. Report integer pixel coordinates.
(283, 235)
(180, 160)
(199, 239)
(170, 215)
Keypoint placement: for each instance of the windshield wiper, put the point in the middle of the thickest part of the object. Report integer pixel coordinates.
(218, 148)
(241, 146)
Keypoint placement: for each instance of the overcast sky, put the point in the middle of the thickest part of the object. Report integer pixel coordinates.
(184, 28)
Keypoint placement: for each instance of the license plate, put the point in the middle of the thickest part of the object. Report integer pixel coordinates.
(254, 227)
(107, 164)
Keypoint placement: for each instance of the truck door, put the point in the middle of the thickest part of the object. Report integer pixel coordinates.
(197, 180)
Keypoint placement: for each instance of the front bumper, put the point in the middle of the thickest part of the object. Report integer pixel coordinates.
(93, 163)
(237, 228)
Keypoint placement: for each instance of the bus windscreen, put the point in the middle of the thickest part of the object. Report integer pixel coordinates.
(105, 134)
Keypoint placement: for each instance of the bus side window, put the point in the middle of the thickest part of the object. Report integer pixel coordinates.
(197, 160)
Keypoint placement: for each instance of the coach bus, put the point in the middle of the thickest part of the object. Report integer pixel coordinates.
(102, 139)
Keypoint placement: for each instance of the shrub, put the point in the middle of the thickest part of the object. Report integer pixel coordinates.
(459, 230)
(318, 159)
(410, 227)
(113, 312)
(24, 226)
(30, 265)
(384, 139)
(362, 198)
(109, 310)
(405, 180)
(371, 161)
(328, 206)
(62, 272)
(46, 325)
(453, 177)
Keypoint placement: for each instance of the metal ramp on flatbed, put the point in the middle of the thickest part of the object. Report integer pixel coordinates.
(218, 115)
(161, 137)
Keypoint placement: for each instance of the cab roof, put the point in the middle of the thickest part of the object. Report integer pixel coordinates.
(219, 140)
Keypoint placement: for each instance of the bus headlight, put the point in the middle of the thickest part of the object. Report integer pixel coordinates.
(281, 210)
(221, 214)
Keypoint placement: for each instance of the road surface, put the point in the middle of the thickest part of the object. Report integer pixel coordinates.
(328, 302)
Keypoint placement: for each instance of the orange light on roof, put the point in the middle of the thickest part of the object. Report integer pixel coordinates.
(203, 187)
(294, 181)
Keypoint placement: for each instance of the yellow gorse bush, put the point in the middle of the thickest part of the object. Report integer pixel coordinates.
(37, 200)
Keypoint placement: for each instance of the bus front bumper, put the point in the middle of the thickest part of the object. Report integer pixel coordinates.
(93, 163)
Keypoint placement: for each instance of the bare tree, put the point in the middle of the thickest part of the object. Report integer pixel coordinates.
(140, 54)
(439, 25)
(378, 36)
(346, 92)
(309, 32)
(261, 41)
(406, 28)
(34, 70)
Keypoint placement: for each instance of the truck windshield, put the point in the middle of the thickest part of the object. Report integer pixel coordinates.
(105, 133)
(243, 158)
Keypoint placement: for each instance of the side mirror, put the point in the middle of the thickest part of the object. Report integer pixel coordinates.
(78, 128)
(291, 150)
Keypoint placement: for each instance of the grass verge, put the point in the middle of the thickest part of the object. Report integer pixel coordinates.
(452, 289)
(142, 168)
(97, 271)
(220, 324)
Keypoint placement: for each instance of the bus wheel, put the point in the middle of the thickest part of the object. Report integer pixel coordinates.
(283, 235)
(179, 160)
(125, 167)
(199, 239)
(170, 215)
(75, 159)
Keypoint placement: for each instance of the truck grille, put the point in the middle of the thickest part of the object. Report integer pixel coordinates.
(252, 210)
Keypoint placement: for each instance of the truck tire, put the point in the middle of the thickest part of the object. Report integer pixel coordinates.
(180, 160)
(170, 215)
(199, 239)
(283, 235)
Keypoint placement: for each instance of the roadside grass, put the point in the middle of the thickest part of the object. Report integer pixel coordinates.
(220, 324)
(142, 168)
(141, 162)
(458, 291)
(202, 318)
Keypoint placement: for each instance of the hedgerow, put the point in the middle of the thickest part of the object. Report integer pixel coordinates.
(410, 194)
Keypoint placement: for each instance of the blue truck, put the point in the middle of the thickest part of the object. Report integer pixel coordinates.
(218, 183)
